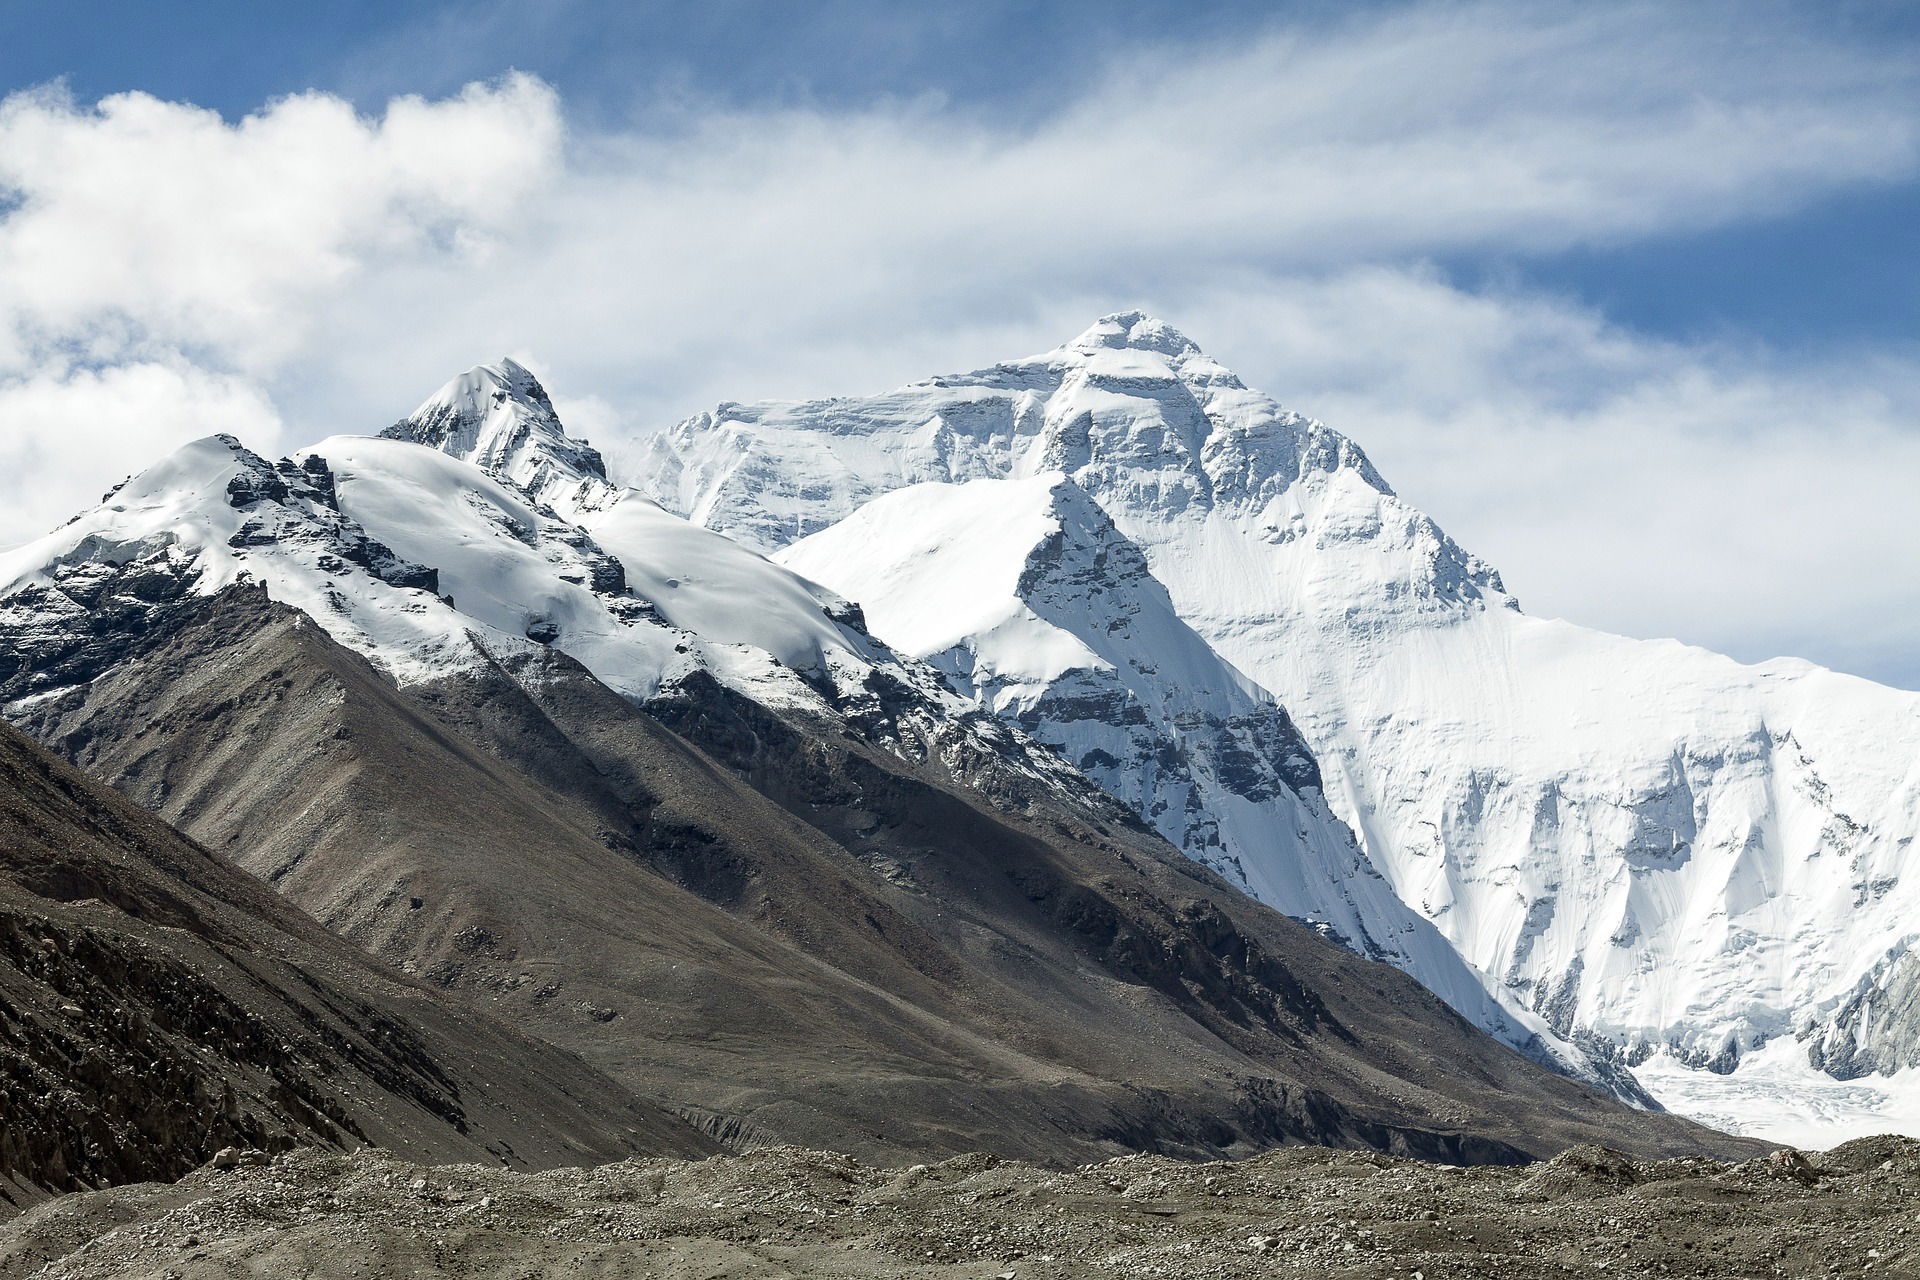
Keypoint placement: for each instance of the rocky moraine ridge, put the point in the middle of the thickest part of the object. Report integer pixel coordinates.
(1847, 1213)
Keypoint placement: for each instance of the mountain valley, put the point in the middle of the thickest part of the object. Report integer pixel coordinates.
(973, 820)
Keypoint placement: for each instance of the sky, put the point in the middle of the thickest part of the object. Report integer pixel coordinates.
(1623, 295)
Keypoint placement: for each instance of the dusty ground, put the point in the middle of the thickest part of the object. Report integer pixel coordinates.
(1852, 1212)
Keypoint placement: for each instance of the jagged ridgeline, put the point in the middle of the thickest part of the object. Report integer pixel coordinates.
(621, 780)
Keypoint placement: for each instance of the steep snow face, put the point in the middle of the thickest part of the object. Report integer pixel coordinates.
(505, 563)
(1638, 839)
(1030, 600)
(499, 418)
(1033, 604)
(691, 598)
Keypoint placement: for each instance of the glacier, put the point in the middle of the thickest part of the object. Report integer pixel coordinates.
(1647, 845)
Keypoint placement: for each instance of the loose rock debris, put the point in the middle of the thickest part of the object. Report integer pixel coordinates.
(781, 1212)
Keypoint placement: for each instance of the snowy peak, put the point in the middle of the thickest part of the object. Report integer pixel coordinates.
(1137, 396)
(211, 515)
(215, 501)
(1018, 588)
(1135, 330)
(499, 417)
(1158, 432)
(1037, 607)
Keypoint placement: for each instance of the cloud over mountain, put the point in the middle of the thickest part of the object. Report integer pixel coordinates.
(173, 272)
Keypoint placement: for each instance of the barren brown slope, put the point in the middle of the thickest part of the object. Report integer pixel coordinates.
(157, 1003)
(848, 952)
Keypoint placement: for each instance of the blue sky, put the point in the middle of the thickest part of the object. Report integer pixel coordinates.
(1624, 295)
(603, 56)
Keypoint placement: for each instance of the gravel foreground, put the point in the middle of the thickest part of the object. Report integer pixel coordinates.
(1852, 1211)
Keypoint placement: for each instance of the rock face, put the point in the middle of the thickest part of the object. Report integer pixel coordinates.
(1642, 842)
(157, 1004)
(681, 814)
(1877, 1027)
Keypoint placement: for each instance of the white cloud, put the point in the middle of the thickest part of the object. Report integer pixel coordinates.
(145, 223)
(61, 430)
(1274, 198)
(1727, 496)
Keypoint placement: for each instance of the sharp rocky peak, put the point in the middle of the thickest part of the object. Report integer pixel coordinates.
(498, 417)
(495, 415)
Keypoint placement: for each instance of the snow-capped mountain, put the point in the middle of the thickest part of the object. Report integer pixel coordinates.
(446, 558)
(1034, 605)
(1640, 840)
(499, 417)
(804, 891)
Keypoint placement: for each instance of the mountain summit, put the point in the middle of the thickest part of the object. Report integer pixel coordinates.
(1137, 330)
(499, 417)
(1133, 410)
(1648, 845)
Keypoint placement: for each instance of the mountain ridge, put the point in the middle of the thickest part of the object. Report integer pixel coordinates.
(1631, 838)
(1027, 597)
(676, 854)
